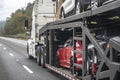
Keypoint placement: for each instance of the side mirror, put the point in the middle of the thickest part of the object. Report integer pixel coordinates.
(26, 24)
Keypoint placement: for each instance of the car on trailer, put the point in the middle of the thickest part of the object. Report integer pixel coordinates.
(65, 54)
(72, 7)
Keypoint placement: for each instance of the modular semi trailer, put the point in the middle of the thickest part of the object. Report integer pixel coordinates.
(91, 27)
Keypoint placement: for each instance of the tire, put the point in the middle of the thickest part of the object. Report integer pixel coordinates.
(38, 56)
(29, 56)
(62, 14)
(94, 5)
(42, 58)
(78, 8)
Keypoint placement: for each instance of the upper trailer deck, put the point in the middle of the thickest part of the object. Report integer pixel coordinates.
(106, 12)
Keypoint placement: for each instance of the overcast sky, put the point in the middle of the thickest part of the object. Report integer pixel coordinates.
(9, 6)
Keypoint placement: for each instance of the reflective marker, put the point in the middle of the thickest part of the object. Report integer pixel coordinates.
(11, 54)
(4, 48)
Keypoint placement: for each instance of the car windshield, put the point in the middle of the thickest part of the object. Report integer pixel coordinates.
(70, 43)
(67, 43)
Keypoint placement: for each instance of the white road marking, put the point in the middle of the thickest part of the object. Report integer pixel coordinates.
(11, 54)
(17, 59)
(29, 70)
(4, 48)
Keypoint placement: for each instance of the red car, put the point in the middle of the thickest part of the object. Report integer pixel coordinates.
(66, 53)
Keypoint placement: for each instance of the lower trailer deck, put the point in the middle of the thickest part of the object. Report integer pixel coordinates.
(64, 72)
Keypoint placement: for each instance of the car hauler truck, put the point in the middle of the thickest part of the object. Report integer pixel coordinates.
(91, 27)
(43, 12)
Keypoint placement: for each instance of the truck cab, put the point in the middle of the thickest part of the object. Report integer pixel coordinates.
(43, 12)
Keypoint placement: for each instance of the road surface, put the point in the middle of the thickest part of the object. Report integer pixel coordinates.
(15, 65)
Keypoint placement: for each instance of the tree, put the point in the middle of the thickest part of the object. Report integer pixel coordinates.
(15, 24)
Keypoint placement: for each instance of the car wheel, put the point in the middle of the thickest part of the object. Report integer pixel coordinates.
(42, 58)
(38, 56)
(77, 7)
(94, 5)
(62, 15)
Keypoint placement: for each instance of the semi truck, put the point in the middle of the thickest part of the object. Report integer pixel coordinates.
(85, 46)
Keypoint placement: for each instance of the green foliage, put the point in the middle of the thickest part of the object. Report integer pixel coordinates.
(15, 24)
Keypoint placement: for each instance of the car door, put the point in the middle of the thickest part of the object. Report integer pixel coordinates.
(68, 5)
(69, 51)
(63, 54)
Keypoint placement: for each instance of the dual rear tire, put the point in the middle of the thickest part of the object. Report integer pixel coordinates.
(40, 56)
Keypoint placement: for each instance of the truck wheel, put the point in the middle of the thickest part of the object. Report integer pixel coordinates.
(42, 58)
(38, 56)
(29, 56)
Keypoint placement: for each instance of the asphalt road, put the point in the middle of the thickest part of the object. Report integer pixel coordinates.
(15, 65)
